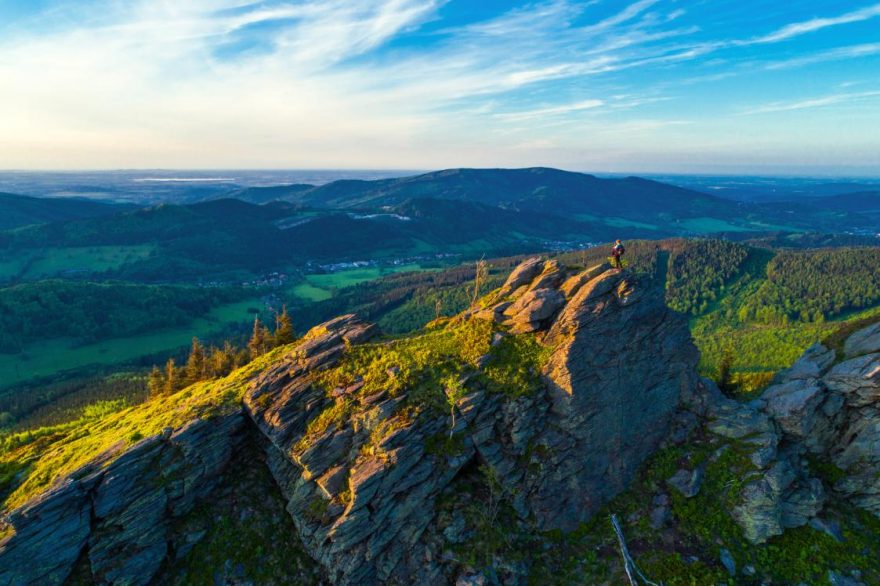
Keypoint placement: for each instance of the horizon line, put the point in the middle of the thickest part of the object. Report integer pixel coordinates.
(414, 172)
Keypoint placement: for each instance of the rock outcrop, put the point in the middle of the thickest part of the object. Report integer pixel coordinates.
(119, 514)
(363, 473)
(819, 408)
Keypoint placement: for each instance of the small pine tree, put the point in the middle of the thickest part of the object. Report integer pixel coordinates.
(171, 378)
(156, 382)
(196, 364)
(259, 341)
(223, 359)
(283, 328)
(725, 379)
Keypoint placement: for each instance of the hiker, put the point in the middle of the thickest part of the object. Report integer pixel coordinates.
(616, 252)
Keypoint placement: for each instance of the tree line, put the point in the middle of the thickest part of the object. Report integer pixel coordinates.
(210, 362)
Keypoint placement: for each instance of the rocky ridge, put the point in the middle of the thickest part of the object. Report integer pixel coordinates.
(374, 467)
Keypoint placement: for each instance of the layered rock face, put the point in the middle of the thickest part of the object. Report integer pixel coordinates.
(362, 473)
(824, 407)
(620, 361)
(119, 515)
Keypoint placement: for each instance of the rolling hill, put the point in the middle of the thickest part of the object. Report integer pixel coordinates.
(21, 210)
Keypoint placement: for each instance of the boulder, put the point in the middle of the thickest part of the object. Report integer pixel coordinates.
(687, 482)
(811, 365)
(858, 379)
(522, 275)
(793, 405)
(533, 309)
(864, 341)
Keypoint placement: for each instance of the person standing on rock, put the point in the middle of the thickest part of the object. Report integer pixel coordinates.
(616, 252)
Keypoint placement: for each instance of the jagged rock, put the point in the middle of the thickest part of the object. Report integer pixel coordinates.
(50, 532)
(362, 489)
(660, 513)
(803, 503)
(793, 405)
(687, 482)
(864, 341)
(811, 365)
(858, 379)
(604, 384)
(573, 284)
(523, 274)
(528, 313)
(742, 422)
(122, 508)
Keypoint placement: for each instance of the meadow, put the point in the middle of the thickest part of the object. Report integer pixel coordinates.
(49, 358)
(320, 287)
(50, 262)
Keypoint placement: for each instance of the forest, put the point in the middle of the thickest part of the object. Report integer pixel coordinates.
(752, 311)
(95, 311)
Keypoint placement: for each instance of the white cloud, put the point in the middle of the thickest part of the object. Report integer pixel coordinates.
(819, 102)
(553, 111)
(851, 52)
(157, 83)
(816, 24)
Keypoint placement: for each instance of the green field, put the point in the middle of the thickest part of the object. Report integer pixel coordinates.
(51, 262)
(710, 225)
(320, 287)
(51, 357)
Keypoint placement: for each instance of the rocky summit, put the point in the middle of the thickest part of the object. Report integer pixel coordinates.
(387, 456)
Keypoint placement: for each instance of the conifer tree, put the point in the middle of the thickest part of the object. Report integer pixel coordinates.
(171, 377)
(156, 382)
(283, 328)
(196, 364)
(259, 341)
(223, 359)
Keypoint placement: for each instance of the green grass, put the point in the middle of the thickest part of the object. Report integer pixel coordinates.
(320, 287)
(308, 292)
(49, 453)
(624, 223)
(710, 225)
(51, 357)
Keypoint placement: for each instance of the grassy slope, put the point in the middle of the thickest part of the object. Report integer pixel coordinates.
(48, 453)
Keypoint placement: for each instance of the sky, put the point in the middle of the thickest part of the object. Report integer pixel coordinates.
(651, 86)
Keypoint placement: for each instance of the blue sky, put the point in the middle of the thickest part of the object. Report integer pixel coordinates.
(721, 86)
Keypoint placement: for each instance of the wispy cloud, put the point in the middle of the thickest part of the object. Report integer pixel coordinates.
(554, 111)
(837, 54)
(808, 26)
(379, 83)
(818, 102)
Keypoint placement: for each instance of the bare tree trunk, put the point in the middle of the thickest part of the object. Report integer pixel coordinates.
(629, 565)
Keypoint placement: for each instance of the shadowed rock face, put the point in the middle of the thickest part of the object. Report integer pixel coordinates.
(620, 363)
(367, 509)
(120, 515)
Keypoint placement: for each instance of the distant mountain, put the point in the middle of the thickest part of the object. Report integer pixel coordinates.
(534, 189)
(223, 235)
(21, 210)
(270, 193)
(863, 202)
